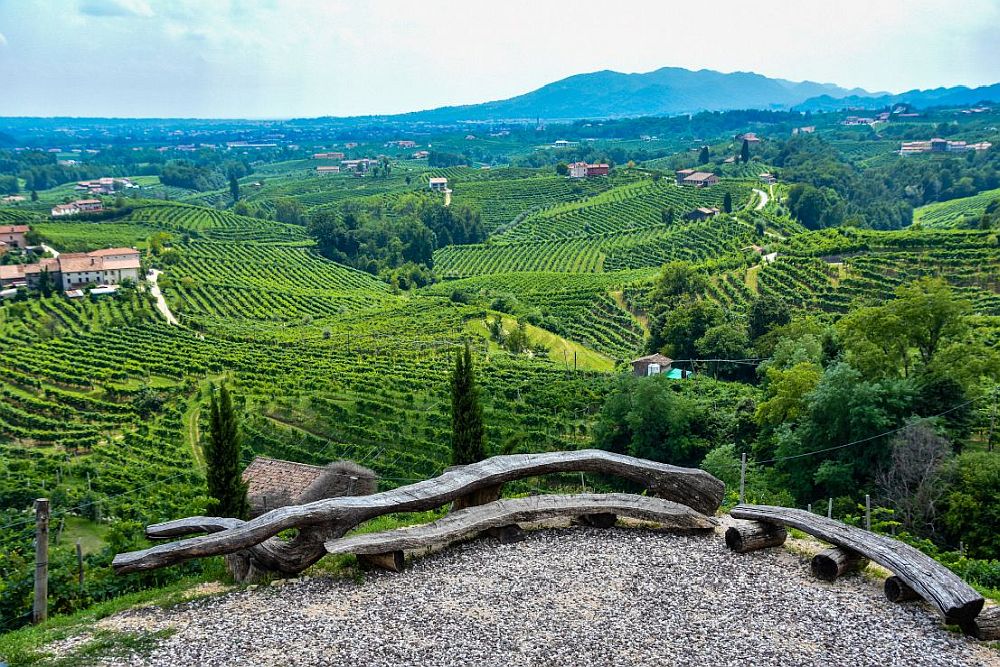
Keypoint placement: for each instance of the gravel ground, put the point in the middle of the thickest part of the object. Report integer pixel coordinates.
(563, 597)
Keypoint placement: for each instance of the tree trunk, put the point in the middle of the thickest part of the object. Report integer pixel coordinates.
(754, 535)
(836, 561)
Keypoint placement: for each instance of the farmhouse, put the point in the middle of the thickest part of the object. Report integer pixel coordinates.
(12, 199)
(327, 170)
(358, 166)
(585, 170)
(702, 213)
(78, 206)
(73, 270)
(438, 183)
(681, 174)
(699, 179)
(937, 145)
(419, 155)
(105, 186)
(768, 178)
(749, 137)
(807, 129)
(652, 364)
(273, 483)
(13, 235)
(328, 156)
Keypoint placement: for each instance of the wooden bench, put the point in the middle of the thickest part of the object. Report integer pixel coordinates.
(958, 602)
(385, 549)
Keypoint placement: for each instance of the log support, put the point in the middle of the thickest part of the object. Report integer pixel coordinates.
(391, 561)
(508, 534)
(986, 626)
(602, 520)
(754, 535)
(835, 562)
(481, 497)
(897, 590)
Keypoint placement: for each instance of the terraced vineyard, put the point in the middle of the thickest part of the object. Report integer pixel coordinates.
(633, 206)
(956, 212)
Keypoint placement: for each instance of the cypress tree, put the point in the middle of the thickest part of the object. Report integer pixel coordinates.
(468, 435)
(745, 152)
(234, 188)
(727, 203)
(703, 157)
(226, 489)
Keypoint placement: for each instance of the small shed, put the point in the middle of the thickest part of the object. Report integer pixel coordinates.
(652, 364)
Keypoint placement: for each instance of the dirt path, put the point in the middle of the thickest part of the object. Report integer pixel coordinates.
(763, 199)
(161, 304)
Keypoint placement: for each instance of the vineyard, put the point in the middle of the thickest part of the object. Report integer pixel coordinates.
(962, 212)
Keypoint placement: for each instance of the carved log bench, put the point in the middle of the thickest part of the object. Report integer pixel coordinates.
(958, 602)
(385, 549)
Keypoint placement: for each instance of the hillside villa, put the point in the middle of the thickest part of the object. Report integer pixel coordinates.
(698, 179)
(419, 155)
(73, 270)
(327, 170)
(105, 186)
(438, 183)
(328, 156)
(78, 206)
(12, 199)
(13, 235)
(585, 170)
(359, 166)
(768, 178)
(937, 145)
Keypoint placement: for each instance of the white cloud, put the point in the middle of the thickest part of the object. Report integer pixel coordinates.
(3, 40)
(138, 8)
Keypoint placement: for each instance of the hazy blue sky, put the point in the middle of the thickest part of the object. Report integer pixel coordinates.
(280, 58)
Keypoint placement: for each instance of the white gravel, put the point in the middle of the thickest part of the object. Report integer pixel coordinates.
(563, 597)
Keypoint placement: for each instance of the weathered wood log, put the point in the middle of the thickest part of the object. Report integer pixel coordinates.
(896, 590)
(474, 520)
(754, 535)
(953, 598)
(835, 562)
(480, 497)
(333, 517)
(508, 534)
(600, 520)
(986, 626)
(392, 561)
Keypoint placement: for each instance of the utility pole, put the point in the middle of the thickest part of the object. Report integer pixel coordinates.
(41, 608)
(79, 562)
(743, 476)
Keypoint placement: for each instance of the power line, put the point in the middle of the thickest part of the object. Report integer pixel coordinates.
(873, 437)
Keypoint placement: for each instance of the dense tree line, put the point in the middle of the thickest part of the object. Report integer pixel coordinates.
(397, 243)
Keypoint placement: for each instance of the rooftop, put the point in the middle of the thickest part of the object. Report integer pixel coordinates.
(274, 477)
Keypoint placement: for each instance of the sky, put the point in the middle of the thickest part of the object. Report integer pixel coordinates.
(307, 58)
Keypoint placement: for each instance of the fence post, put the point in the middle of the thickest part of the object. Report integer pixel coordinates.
(829, 508)
(40, 611)
(868, 512)
(809, 508)
(743, 476)
(79, 562)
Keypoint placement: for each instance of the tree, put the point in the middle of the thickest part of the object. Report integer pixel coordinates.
(667, 215)
(234, 188)
(646, 418)
(684, 325)
(727, 203)
(226, 489)
(766, 313)
(45, 283)
(562, 169)
(745, 152)
(972, 503)
(704, 157)
(34, 196)
(912, 482)
(468, 433)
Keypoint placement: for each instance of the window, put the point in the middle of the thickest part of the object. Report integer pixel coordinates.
(653, 369)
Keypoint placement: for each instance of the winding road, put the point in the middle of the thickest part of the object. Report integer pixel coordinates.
(763, 199)
(161, 303)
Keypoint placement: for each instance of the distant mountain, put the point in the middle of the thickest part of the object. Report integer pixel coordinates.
(663, 92)
(937, 97)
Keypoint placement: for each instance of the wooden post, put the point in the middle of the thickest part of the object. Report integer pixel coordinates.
(743, 476)
(829, 508)
(809, 508)
(574, 360)
(868, 512)
(79, 562)
(41, 608)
